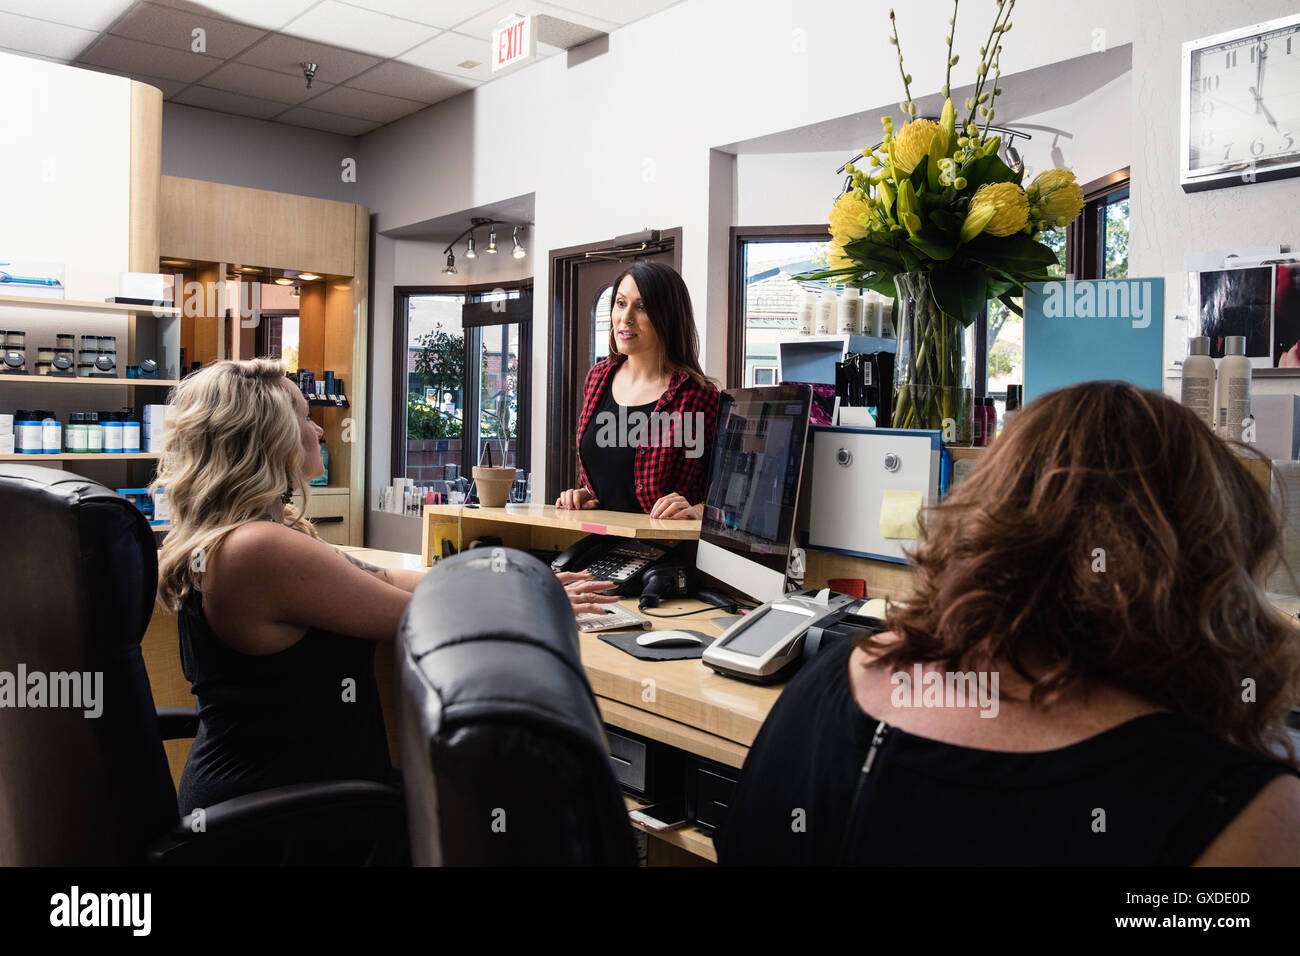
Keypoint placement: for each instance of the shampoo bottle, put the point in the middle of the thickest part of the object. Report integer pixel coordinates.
(1198, 380)
(1234, 388)
(806, 310)
(826, 318)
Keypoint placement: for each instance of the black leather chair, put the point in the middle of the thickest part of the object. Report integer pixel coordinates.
(503, 753)
(79, 568)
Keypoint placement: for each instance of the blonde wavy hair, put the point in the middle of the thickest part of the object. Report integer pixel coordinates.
(233, 447)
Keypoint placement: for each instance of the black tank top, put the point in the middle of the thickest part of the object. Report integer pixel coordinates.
(1152, 791)
(612, 466)
(278, 719)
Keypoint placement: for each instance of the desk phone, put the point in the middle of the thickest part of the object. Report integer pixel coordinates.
(621, 560)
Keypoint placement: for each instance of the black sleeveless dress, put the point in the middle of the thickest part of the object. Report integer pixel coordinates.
(1152, 791)
(310, 712)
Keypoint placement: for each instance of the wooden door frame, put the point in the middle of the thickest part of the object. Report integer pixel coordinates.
(563, 387)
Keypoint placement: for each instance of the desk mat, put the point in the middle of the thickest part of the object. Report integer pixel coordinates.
(627, 643)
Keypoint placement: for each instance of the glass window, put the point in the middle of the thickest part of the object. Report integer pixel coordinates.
(1112, 233)
(770, 305)
(498, 385)
(288, 343)
(435, 352)
(600, 324)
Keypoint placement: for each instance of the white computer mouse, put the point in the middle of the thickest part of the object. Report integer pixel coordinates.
(668, 639)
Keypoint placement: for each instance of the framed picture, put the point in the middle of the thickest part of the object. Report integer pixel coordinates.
(1286, 317)
(1239, 302)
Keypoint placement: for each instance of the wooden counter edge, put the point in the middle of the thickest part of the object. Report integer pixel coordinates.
(690, 739)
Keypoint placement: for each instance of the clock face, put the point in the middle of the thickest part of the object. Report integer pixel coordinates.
(1244, 101)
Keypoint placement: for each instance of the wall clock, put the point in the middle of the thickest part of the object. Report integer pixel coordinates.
(1241, 106)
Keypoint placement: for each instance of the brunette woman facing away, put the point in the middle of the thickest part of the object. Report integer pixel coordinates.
(277, 628)
(649, 414)
(1105, 561)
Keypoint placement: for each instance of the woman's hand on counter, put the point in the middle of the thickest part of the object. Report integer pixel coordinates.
(575, 498)
(586, 593)
(675, 506)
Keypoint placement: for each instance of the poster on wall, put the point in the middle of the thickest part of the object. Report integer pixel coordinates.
(1240, 302)
(1286, 317)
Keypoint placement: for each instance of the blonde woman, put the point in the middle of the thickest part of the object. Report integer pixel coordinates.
(277, 628)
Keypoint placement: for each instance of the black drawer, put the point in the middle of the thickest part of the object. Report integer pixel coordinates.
(708, 791)
(645, 768)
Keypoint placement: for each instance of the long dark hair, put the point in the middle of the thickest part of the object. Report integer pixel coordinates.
(668, 304)
(1109, 536)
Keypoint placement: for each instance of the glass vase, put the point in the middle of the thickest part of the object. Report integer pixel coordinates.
(932, 374)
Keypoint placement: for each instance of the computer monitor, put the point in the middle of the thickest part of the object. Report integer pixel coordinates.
(747, 534)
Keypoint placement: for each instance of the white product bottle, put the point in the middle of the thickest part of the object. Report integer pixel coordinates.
(807, 312)
(1234, 388)
(826, 314)
(1199, 380)
(886, 318)
(851, 312)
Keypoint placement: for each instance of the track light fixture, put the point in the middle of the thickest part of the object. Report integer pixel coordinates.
(451, 264)
(519, 252)
(492, 242)
(471, 251)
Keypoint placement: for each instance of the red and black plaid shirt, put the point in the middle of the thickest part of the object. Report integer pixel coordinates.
(666, 468)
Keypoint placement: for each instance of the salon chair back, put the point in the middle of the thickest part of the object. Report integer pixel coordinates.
(503, 752)
(83, 774)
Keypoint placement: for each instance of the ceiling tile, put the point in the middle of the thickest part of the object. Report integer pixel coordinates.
(444, 51)
(620, 11)
(88, 14)
(443, 13)
(400, 79)
(126, 56)
(266, 84)
(482, 25)
(53, 40)
(174, 28)
(169, 87)
(364, 105)
(376, 33)
(285, 54)
(329, 122)
(266, 14)
(224, 102)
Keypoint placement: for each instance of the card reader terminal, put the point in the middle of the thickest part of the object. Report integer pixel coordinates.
(766, 645)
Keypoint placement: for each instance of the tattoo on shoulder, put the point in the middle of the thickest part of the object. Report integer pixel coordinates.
(371, 568)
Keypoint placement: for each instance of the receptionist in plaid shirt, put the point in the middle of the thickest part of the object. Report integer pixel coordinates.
(649, 414)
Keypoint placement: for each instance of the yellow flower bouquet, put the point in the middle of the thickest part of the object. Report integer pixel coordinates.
(936, 219)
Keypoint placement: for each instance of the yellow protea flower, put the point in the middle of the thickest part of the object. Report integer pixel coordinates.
(912, 143)
(1058, 196)
(835, 257)
(1010, 208)
(847, 218)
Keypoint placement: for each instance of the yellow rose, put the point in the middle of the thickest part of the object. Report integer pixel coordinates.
(912, 143)
(1058, 197)
(847, 216)
(1009, 205)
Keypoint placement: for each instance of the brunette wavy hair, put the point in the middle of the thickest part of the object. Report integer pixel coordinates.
(667, 304)
(1108, 536)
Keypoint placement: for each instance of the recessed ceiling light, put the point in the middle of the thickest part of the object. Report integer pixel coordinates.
(309, 276)
(469, 64)
(284, 280)
(175, 262)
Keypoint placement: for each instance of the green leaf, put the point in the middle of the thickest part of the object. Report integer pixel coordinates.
(911, 262)
(982, 170)
(934, 243)
(881, 282)
(869, 249)
(946, 220)
(1007, 300)
(1018, 255)
(959, 290)
(919, 173)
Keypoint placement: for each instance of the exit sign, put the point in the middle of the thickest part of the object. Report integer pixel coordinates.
(513, 41)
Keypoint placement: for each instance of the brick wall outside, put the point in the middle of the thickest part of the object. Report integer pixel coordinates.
(425, 458)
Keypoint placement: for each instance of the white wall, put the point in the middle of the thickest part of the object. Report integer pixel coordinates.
(239, 151)
(1166, 222)
(625, 140)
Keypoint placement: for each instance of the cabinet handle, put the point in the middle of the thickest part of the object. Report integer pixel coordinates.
(327, 519)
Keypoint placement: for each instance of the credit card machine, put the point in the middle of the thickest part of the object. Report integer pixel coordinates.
(767, 644)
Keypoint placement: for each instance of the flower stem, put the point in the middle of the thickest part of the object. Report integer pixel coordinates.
(901, 72)
(952, 32)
